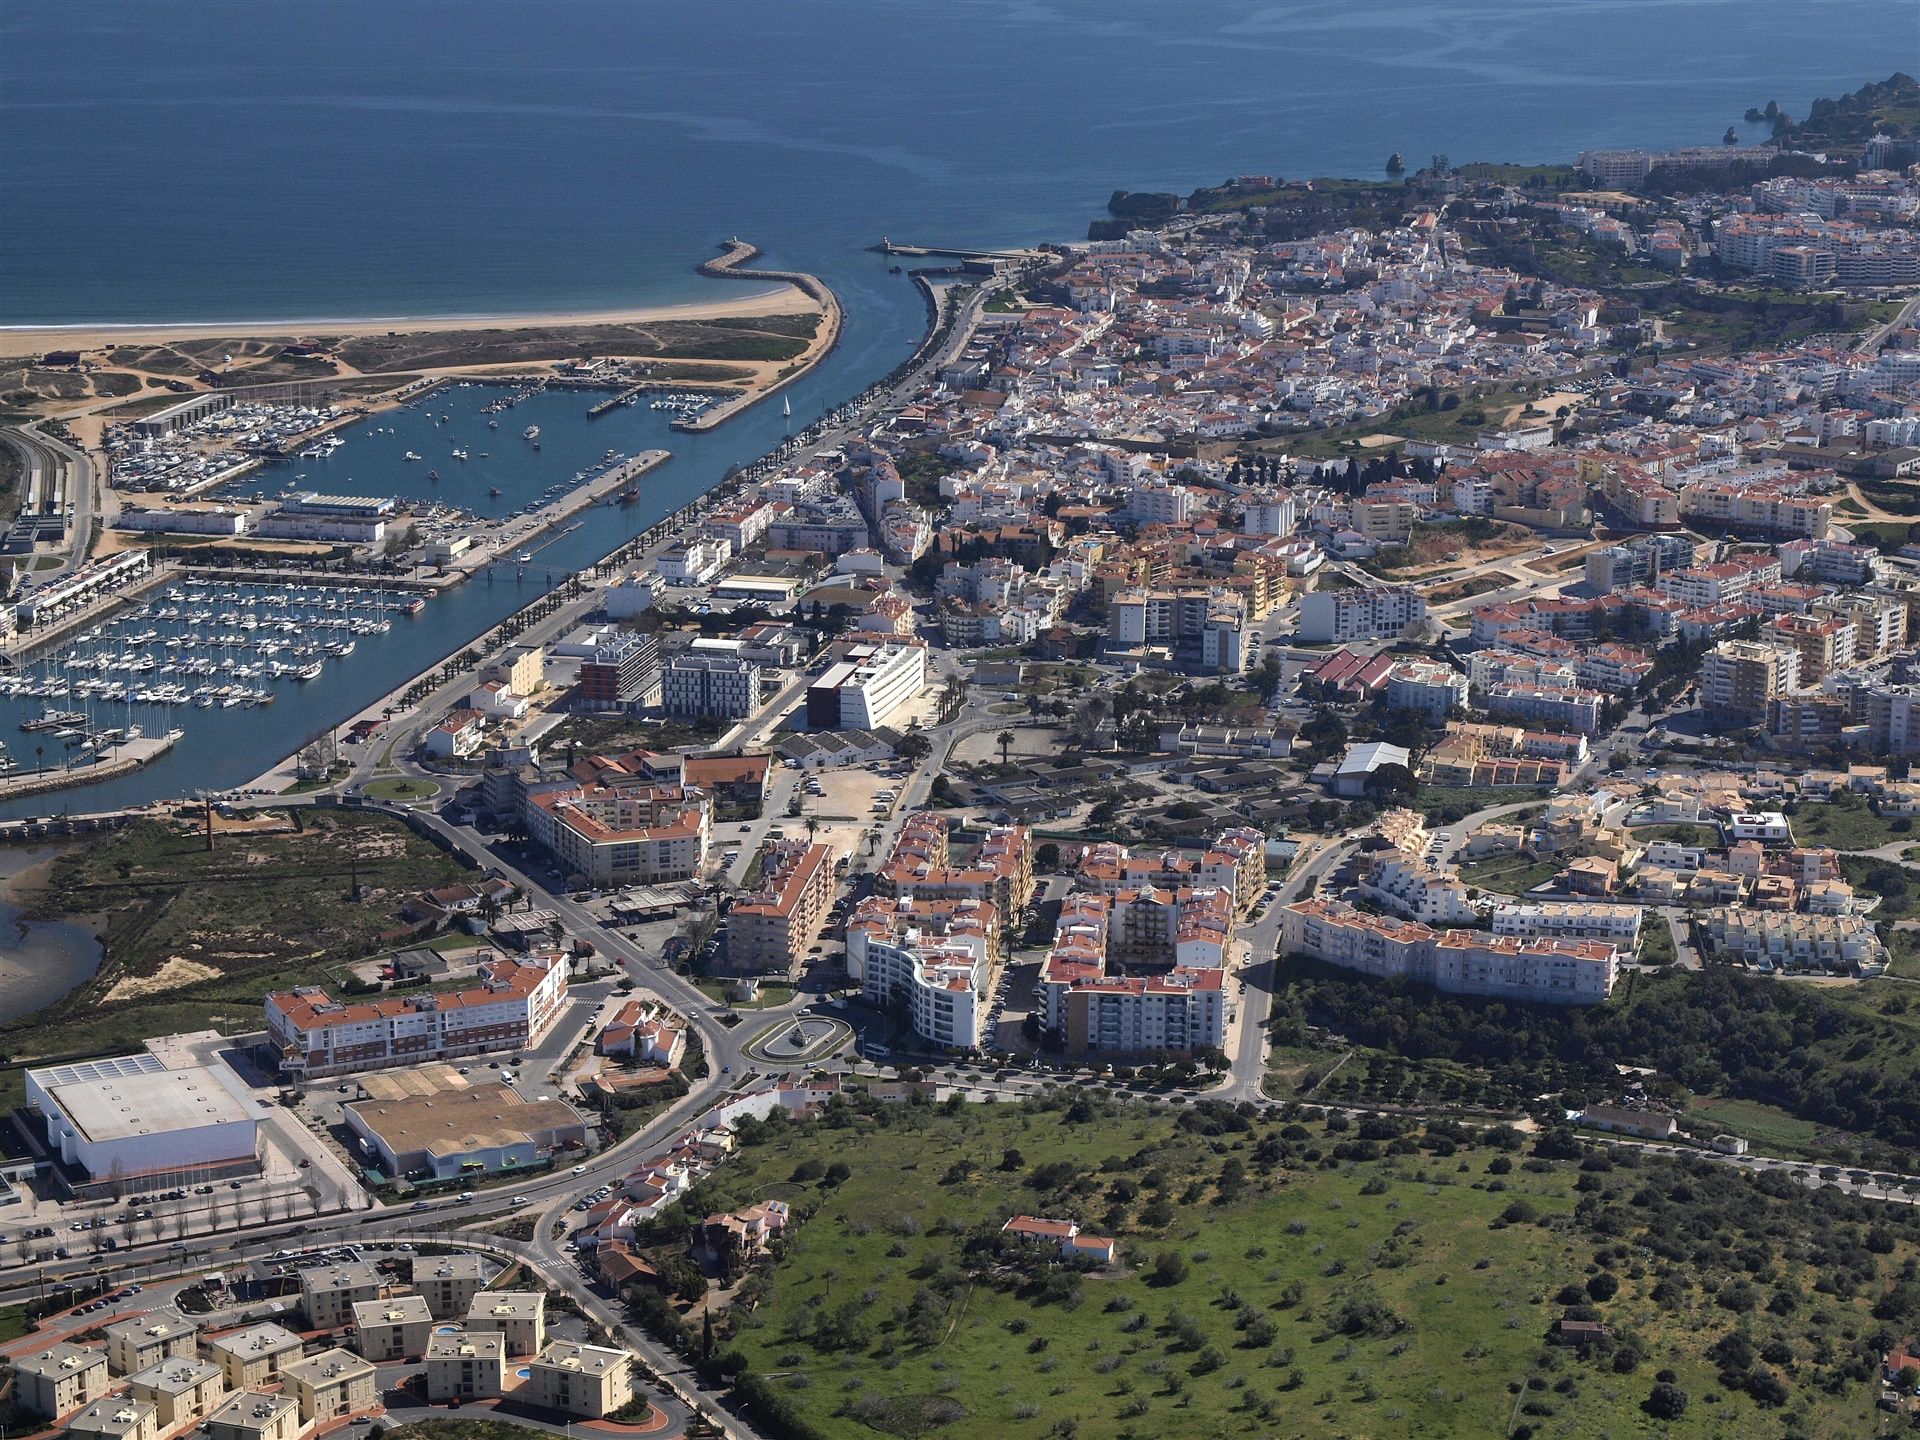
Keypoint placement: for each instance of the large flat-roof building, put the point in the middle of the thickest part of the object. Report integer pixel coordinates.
(509, 1007)
(256, 1415)
(589, 1380)
(612, 835)
(520, 1316)
(866, 686)
(329, 1293)
(131, 1121)
(436, 1124)
(134, 1344)
(119, 1417)
(466, 1365)
(392, 1329)
(58, 1379)
(331, 1384)
(448, 1283)
(249, 1358)
(181, 1390)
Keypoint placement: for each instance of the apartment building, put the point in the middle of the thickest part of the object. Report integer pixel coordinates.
(1200, 628)
(866, 687)
(463, 1365)
(1426, 686)
(134, 1344)
(249, 1358)
(1570, 709)
(623, 674)
(255, 1415)
(1341, 616)
(1757, 509)
(694, 562)
(1403, 881)
(1825, 643)
(510, 1008)
(116, 1418)
(1721, 581)
(448, 1283)
(614, 835)
(939, 972)
(59, 1379)
(394, 1328)
(519, 1316)
(769, 930)
(922, 865)
(574, 1379)
(1547, 971)
(1618, 925)
(1088, 1008)
(328, 1293)
(694, 684)
(330, 1385)
(181, 1390)
(1234, 860)
(1740, 680)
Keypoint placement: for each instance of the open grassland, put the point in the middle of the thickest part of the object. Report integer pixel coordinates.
(1290, 1277)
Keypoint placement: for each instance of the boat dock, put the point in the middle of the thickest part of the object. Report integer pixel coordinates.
(942, 252)
(126, 757)
(28, 642)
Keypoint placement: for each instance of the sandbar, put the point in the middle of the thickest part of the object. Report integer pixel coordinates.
(36, 340)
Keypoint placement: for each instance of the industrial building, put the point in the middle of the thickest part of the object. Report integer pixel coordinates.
(131, 1122)
(436, 1124)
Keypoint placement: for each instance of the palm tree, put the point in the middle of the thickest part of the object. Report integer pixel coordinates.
(1005, 741)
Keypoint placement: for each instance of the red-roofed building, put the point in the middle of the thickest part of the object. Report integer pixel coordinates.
(768, 931)
(510, 1008)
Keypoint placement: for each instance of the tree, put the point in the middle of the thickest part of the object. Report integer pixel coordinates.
(1666, 1402)
(1005, 741)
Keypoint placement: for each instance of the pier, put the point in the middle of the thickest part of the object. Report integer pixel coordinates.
(733, 265)
(26, 643)
(941, 252)
(127, 756)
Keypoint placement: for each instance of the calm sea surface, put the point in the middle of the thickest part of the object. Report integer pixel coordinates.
(171, 161)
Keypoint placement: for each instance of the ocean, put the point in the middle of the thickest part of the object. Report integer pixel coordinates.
(184, 160)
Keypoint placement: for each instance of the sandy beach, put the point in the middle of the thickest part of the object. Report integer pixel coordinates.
(35, 340)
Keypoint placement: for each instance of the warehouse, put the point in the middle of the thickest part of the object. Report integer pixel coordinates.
(433, 1123)
(131, 1121)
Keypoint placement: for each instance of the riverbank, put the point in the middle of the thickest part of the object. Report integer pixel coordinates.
(40, 960)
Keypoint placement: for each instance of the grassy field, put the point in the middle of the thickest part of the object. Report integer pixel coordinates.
(399, 789)
(1281, 1279)
(1767, 1127)
(258, 912)
(1844, 822)
(1442, 805)
(1656, 940)
(1508, 874)
(1682, 833)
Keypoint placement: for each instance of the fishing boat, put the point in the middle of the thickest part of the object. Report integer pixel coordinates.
(433, 474)
(532, 432)
(494, 491)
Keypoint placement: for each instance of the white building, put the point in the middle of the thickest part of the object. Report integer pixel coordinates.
(942, 980)
(1340, 616)
(693, 683)
(865, 688)
(1426, 686)
(1618, 925)
(131, 1120)
(695, 561)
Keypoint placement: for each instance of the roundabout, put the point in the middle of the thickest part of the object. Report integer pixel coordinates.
(800, 1040)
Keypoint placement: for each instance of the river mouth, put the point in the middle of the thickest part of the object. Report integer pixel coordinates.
(40, 960)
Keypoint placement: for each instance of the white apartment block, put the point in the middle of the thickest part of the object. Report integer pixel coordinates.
(1463, 962)
(867, 687)
(1426, 686)
(695, 561)
(942, 978)
(1618, 925)
(1341, 616)
(727, 686)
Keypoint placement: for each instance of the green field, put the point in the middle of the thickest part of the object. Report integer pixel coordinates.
(1767, 1127)
(1844, 822)
(401, 789)
(1682, 833)
(1282, 1278)
(1509, 874)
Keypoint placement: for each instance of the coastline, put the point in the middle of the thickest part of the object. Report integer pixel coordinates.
(24, 340)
